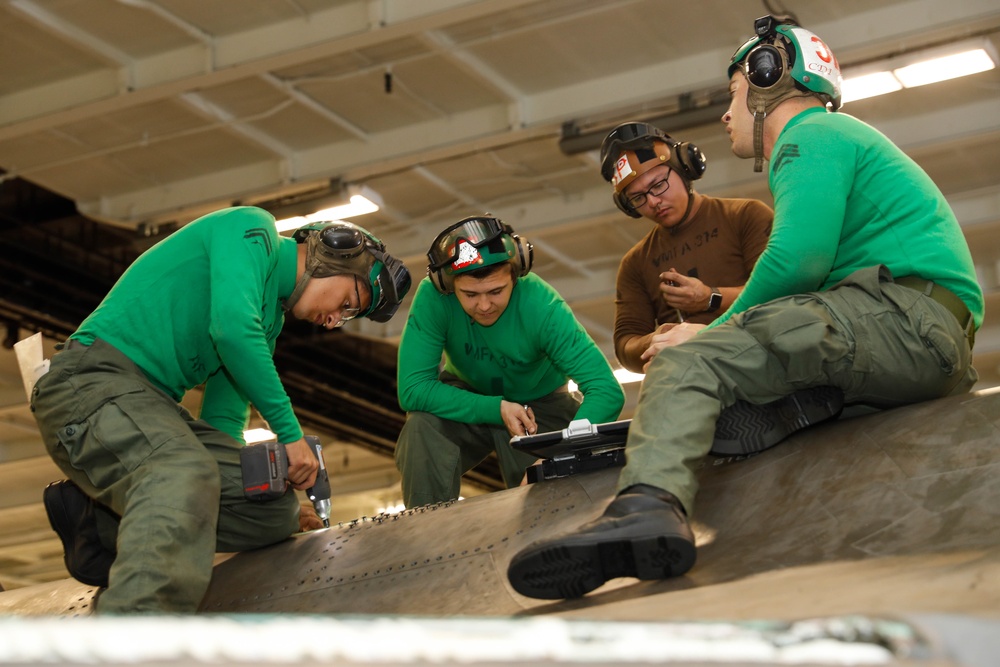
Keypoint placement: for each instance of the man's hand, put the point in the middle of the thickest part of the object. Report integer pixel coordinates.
(668, 335)
(519, 419)
(684, 293)
(308, 519)
(302, 464)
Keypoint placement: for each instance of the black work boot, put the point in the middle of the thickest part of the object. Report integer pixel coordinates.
(72, 515)
(643, 533)
(746, 428)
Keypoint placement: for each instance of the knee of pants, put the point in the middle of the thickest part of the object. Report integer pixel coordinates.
(414, 442)
(186, 478)
(800, 334)
(277, 520)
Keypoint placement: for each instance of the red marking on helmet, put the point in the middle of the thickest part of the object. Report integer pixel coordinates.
(467, 256)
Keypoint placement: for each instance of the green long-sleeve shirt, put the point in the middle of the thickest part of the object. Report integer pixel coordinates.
(204, 306)
(846, 198)
(530, 351)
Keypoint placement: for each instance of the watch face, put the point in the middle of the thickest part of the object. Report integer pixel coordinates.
(714, 301)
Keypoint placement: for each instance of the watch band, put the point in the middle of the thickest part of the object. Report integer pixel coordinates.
(714, 301)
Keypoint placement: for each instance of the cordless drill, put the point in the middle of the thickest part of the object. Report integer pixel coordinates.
(265, 474)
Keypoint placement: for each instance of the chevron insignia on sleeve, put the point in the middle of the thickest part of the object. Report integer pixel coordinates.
(787, 153)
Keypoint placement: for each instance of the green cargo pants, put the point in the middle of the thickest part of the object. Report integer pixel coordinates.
(175, 481)
(433, 453)
(883, 344)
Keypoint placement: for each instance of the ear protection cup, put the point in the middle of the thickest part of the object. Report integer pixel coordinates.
(766, 66)
(348, 241)
(440, 282)
(693, 162)
(524, 257)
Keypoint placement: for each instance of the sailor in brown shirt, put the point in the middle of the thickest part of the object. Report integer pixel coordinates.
(694, 262)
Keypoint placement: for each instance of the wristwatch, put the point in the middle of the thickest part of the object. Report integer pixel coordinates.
(714, 301)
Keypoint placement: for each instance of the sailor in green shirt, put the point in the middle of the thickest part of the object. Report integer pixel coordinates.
(203, 306)
(509, 344)
(866, 285)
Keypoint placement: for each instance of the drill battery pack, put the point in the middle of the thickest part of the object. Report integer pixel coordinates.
(265, 470)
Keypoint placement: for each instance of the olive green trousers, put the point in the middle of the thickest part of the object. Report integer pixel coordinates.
(175, 481)
(883, 344)
(433, 453)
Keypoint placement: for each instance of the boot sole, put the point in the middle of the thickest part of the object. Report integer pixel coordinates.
(571, 570)
(745, 428)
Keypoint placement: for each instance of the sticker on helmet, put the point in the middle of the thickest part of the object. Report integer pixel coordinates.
(622, 170)
(816, 55)
(467, 256)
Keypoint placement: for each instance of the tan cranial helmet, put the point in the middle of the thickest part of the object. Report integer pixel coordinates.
(631, 149)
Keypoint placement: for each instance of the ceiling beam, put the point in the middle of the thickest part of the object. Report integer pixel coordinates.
(253, 52)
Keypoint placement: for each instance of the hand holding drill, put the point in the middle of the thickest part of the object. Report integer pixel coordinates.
(265, 468)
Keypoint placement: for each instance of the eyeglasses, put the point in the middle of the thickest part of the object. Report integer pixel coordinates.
(347, 313)
(657, 189)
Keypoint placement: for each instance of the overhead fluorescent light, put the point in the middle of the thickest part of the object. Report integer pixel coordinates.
(933, 70)
(919, 68)
(354, 201)
(869, 85)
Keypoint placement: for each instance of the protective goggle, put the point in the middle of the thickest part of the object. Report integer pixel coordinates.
(478, 232)
(627, 137)
(390, 281)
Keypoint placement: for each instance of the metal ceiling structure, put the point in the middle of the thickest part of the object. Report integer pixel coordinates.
(122, 120)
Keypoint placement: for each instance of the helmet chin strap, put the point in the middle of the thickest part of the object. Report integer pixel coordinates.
(758, 106)
(761, 103)
(758, 141)
(300, 287)
(312, 263)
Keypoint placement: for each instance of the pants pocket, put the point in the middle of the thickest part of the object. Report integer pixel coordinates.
(121, 434)
(940, 344)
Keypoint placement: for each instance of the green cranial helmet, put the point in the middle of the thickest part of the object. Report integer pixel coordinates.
(474, 243)
(343, 248)
(781, 61)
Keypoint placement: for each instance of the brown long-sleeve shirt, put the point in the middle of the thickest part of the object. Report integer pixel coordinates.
(719, 246)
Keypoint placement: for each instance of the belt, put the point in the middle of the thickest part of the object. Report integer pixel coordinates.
(70, 344)
(946, 298)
